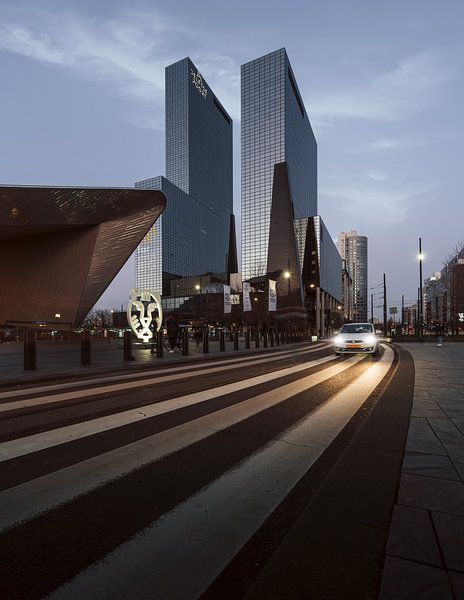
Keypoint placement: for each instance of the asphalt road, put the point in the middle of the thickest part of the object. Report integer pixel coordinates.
(270, 475)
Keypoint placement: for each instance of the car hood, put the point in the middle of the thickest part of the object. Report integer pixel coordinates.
(355, 336)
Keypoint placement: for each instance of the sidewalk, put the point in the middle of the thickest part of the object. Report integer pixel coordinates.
(425, 549)
(63, 359)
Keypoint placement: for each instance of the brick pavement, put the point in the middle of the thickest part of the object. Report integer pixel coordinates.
(425, 549)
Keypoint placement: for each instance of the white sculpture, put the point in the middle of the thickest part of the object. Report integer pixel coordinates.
(144, 313)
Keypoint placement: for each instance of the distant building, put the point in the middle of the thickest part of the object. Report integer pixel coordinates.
(443, 295)
(353, 249)
(196, 235)
(347, 292)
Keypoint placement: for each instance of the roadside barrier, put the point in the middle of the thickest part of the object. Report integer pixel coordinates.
(86, 358)
(185, 342)
(30, 350)
(222, 341)
(128, 356)
(236, 339)
(159, 344)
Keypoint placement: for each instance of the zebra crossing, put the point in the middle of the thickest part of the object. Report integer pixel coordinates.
(166, 493)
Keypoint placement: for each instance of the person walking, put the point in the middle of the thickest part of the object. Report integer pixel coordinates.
(173, 332)
(198, 335)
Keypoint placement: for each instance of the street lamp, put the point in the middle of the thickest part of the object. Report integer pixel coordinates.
(420, 257)
(287, 276)
(198, 289)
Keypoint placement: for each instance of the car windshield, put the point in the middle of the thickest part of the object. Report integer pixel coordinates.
(357, 328)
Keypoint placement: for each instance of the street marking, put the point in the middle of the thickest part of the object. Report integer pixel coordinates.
(62, 435)
(40, 401)
(26, 500)
(140, 374)
(181, 556)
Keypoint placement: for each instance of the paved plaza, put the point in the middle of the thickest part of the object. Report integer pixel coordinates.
(425, 550)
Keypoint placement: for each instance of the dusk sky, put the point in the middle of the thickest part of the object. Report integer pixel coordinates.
(82, 103)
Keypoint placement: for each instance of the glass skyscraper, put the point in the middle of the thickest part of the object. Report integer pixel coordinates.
(275, 129)
(193, 236)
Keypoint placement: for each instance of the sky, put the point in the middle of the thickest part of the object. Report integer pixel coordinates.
(82, 103)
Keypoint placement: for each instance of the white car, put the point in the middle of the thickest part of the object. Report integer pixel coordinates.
(356, 337)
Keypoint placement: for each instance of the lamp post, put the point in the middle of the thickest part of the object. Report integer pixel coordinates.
(421, 257)
(287, 276)
(198, 290)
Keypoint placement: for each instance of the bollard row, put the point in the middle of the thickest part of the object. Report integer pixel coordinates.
(270, 338)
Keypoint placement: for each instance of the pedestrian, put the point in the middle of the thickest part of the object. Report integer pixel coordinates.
(198, 335)
(173, 332)
(154, 330)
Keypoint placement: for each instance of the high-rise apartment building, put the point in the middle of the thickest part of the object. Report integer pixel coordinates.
(192, 238)
(353, 248)
(279, 160)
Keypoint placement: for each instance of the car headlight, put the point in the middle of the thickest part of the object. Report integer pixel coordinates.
(371, 340)
(338, 340)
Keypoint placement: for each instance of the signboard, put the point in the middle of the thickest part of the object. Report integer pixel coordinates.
(272, 295)
(144, 313)
(197, 80)
(235, 298)
(246, 297)
(461, 317)
(393, 310)
(227, 302)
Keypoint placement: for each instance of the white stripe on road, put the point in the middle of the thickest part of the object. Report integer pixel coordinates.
(183, 552)
(69, 433)
(39, 401)
(28, 499)
(127, 377)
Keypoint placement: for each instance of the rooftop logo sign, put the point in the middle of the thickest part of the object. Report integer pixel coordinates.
(197, 80)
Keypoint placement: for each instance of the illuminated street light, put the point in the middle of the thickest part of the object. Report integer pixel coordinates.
(287, 276)
(198, 287)
(420, 257)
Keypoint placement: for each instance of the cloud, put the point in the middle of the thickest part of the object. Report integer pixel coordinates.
(369, 204)
(397, 94)
(376, 175)
(129, 52)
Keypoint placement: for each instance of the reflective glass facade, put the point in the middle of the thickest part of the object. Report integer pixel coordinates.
(198, 139)
(193, 236)
(353, 248)
(275, 128)
(189, 240)
(320, 262)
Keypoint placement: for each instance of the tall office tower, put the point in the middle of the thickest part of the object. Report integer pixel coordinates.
(192, 238)
(353, 248)
(279, 165)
